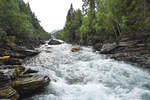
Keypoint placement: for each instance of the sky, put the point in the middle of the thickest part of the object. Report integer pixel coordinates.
(52, 13)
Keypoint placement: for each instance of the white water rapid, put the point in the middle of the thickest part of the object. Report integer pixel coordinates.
(87, 75)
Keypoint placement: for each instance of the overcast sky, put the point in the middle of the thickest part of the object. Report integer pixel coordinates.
(52, 13)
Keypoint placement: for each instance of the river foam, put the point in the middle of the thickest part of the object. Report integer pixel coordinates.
(86, 75)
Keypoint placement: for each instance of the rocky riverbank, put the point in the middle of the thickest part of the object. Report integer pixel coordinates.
(134, 51)
(15, 80)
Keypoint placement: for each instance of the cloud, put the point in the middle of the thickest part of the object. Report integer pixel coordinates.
(52, 13)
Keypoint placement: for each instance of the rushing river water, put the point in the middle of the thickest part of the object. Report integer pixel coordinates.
(86, 75)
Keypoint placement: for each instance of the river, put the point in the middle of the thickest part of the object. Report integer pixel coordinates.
(87, 75)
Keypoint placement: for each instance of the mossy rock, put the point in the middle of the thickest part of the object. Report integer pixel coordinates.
(9, 93)
(18, 71)
(28, 83)
(1, 73)
(26, 76)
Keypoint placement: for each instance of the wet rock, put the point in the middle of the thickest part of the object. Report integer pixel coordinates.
(54, 42)
(6, 91)
(4, 67)
(17, 55)
(12, 71)
(11, 53)
(26, 52)
(133, 57)
(133, 51)
(30, 52)
(28, 71)
(12, 61)
(98, 46)
(30, 83)
(75, 49)
(16, 79)
(108, 48)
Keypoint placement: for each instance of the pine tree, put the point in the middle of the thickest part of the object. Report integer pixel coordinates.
(69, 29)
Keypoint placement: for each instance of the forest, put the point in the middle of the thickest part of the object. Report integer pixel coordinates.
(104, 55)
(107, 21)
(18, 24)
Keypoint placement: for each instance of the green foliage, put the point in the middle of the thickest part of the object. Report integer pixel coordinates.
(110, 20)
(17, 22)
(71, 31)
(60, 35)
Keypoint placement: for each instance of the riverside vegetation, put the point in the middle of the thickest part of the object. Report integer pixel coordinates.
(118, 28)
(19, 31)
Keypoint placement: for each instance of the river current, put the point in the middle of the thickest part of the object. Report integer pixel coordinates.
(87, 75)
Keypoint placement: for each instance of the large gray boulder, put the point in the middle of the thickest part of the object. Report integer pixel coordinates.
(108, 48)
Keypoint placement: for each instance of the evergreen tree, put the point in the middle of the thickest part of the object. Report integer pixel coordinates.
(69, 29)
(109, 20)
(18, 22)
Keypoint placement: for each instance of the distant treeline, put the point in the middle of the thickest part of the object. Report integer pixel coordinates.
(107, 20)
(18, 24)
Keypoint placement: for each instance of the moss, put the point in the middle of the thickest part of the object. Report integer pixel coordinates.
(18, 71)
(26, 82)
(7, 93)
(4, 57)
(1, 73)
(27, 75)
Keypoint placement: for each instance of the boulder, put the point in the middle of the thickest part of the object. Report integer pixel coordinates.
(6, 91)
(16, 79)
(17, 55)
(29, 71)
(108, 48)
(54, 42)
(75, 49)
(12, 71)
(30, 83)
(11, 61)
(27, 52)
(98, 46)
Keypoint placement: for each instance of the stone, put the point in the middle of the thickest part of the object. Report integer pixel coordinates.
(75, 49)
(28, 71)
(108, 48)
(54, 42)
(12, 61)
(6, 91)
(98, 46)
(28, 53)
(16, 79)
(30, 83)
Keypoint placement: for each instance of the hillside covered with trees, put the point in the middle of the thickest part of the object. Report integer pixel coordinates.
(107, 21)
(19, 25)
